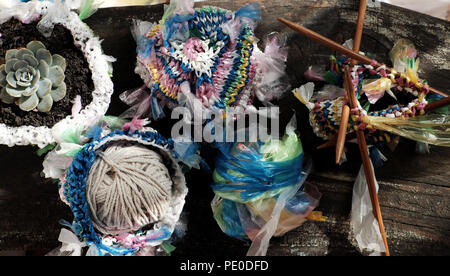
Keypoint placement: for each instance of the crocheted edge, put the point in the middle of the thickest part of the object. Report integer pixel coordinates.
(89, 44)
(179, 189)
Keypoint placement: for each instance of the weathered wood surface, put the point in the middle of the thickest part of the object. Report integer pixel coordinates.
(414, 189)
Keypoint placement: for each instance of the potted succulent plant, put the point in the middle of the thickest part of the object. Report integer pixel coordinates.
(53, 73)
(32, 78)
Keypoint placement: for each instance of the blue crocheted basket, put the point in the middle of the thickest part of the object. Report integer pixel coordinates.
(75, 193)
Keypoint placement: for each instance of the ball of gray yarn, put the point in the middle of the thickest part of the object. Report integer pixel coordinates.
(128, 188)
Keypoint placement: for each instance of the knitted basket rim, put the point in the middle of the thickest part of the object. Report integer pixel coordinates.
(329, 110)
(78, 173)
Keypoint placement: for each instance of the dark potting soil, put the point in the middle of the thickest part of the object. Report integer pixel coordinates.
(14, 35)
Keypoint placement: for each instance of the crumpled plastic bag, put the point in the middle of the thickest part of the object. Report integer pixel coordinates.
(274, 81)
(403, 55)
(273, 216)
(71, 246)
(375, 89)
(282, 219)
(25, 12)
(363, 222)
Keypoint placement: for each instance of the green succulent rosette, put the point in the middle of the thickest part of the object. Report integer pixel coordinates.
(32, 78)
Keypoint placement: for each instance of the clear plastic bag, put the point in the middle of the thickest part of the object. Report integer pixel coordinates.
(273, 81)
(403, 55)
(433, 129)
(140, 101)
(363, 223)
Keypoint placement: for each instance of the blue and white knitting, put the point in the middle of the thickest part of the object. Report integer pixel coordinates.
(124, 187)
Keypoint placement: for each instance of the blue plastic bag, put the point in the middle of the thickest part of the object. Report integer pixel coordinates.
(260, 189)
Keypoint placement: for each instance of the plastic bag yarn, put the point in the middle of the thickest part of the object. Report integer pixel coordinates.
(431, 128)
(259, 220)
(214, 51)
(260, 190)
(233, 181)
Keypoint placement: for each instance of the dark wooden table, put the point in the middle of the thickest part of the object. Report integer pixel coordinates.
(414, 189)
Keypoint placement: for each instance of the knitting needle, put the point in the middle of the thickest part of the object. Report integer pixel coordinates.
(345, 109)
(437, 104)
(340, 143)
(332, 141)
(339, 48)
(368, 169)
(359, 28)
(328, 144)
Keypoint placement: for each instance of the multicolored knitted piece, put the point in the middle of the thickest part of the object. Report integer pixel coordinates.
(326, 117)
(212, 49)
(325, 114)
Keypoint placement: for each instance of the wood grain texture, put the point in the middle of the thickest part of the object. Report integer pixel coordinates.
(414, 189)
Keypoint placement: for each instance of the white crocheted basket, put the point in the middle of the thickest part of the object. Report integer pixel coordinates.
(51, 14)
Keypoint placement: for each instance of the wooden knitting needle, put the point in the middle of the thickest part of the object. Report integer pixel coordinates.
(368, 169)
(359, 28)
(333, 141)
(327, 144)
(437, 104)
(339, 48)
(340, 143)
(345, 109)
